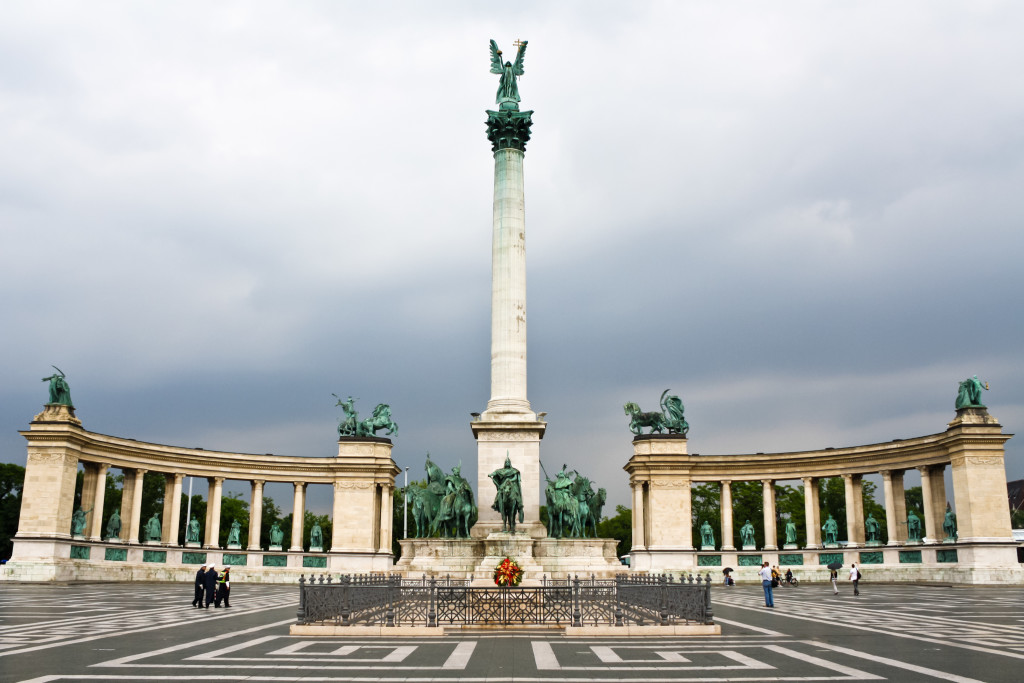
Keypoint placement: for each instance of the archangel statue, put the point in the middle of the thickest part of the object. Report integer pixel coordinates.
(508, 87)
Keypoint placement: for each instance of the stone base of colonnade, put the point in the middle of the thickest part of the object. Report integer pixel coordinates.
(476, 559)
(47, 560)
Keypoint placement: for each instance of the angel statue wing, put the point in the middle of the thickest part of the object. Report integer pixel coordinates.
(496, 67)
(517, 68)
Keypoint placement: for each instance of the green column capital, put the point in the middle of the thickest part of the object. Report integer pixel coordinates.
(509, 129)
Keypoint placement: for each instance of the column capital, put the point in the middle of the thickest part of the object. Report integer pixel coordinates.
(726, 482)
(768, 482)
(178, 476)
(139, 471)
(258, 482)
(509, 129)
(808, 481)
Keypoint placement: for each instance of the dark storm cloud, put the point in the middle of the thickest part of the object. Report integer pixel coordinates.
(803, 219)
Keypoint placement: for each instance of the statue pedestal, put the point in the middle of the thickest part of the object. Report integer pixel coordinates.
(830, 546)
(790, 546)
(750, 547)
(707, 548)
(872, 544)
(77, 537)
(913, 542)
(516, 436)
(275, 548)
(151, 543)
(191, 544)
(316, 548)
(234, 546)
(948, 539)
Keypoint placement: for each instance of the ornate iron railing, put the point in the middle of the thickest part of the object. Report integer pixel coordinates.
(389, 600)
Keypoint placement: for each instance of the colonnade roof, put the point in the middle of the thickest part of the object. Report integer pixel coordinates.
(125, 453)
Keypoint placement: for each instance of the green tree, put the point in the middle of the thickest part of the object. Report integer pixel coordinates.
(619, 527)
(12, 481)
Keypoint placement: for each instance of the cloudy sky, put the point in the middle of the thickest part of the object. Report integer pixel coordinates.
(803, 218)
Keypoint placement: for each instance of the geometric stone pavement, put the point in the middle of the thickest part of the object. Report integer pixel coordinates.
(129, 632)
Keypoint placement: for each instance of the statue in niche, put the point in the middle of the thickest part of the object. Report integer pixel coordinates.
(192, 534)
(276, 535)
(153, 528)
(873, 529)
(508, 87)
(949, 524)
(508, 500)
(913, 527)
(78, 521)
(234, 536)
(969, 395)
(60, 392)
(747, 534)
(790, 532)
(316, 537)
(707, 535)
(114, 526)
(831, 529)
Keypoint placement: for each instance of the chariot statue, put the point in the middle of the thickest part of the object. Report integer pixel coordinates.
(351, 425)
(669, 420)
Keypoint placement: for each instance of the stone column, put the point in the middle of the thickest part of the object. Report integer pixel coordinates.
(639, 542)
(172, 508)
(726, 509)
(812, 512)
(299, 516)
(927, 502)
(771, 534)
(48, 495)
(89, 485)
(854, 510)
(938, 474)
(95, 528)
(213, 512)
(386, 517)
(976, 448)
(255, 514)
(136, 511)
(895, 514)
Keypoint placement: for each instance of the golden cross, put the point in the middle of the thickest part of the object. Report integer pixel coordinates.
(517, 44)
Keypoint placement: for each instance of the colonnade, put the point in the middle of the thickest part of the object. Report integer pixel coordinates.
(362, 477)
(662, 473)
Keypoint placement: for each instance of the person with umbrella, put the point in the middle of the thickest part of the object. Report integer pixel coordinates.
(766, 583)
(834, 567)
(728, 579)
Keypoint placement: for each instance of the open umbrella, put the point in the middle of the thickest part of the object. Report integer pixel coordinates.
(727, 570)
(835, 565)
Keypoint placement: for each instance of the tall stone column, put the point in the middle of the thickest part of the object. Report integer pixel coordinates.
(892, 516)
(386, 517)
(299, 516)
(89, 485)
(938, 474)
(95, 527)
(639, 543)
(136, 509)
(771, 534)
(508, 427)
(213, 512)
(853, 485)
(927, 502)
(976, 450)
(726, 509)
(172, 508)
(812, 512)
(255, 514)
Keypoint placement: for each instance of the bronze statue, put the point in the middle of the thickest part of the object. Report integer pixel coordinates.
(913, 527)
(114, 526)
(426, 501)
(153, 528)
(235, 533)
(790, 532)
(508, 501)
(60, 392)
(969, 395)
(316, 537)
(707, 535)
(457, 511)
(872, 528)
(192, 535)
(347, 426)
(747, 534)
(563, 505)
(276, 535)
(508, 87)
(831, 528)
(670, 419)
(78, 521)
(949, 524)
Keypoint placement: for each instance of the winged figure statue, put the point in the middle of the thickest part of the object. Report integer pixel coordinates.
(508, 88)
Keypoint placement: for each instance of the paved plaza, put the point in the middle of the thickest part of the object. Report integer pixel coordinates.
(138, 632)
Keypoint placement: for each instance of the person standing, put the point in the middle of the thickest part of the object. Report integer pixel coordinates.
(855, 577)
(210, 584)
(197, 601)
(224, 588)
(766, 583)
(834, 577)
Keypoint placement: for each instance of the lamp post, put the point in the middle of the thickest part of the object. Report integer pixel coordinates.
(405, 505)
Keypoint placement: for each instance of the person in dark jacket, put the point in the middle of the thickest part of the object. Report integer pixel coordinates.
(224, 588)
(197, 601)
(210, 583)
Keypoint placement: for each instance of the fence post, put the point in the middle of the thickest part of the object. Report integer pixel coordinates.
(346, 604)
(432, 614)
(577, 617)
(618, 605)
(392, 595)
(709, 613)
(663, 590)
(300, 616)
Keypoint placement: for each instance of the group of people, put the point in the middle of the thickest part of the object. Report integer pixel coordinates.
(854, 578)
(213, 586)
(772, 577)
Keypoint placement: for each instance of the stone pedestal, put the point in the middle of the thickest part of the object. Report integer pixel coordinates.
(750, 547)
(363, 487)
(790, 546)
(659, 474)
(515, 436)
(192, 544)
(707, 548)
(275, 548)
(316, 548)
(234, 546)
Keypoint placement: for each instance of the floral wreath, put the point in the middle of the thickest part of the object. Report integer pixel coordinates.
(508, 573)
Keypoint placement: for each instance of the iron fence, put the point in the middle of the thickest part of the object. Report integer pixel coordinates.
(390, 600)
